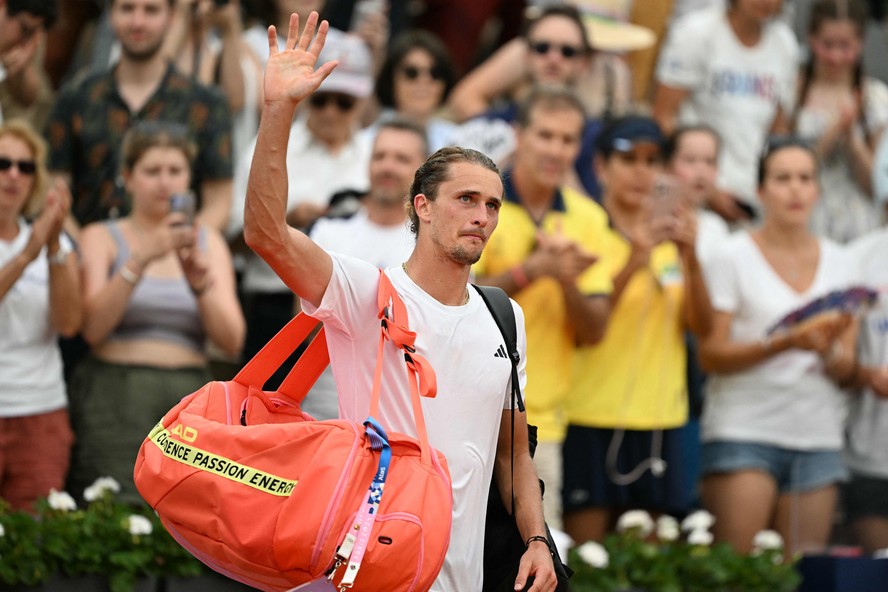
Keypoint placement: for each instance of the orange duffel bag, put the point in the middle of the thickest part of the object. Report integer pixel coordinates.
(263, 493)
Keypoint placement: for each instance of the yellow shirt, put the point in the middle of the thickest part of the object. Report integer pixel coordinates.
(550, 336)
(636, 377)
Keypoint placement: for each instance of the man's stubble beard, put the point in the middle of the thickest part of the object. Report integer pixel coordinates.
(145, 55)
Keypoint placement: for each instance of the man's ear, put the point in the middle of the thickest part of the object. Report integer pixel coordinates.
(423, 206)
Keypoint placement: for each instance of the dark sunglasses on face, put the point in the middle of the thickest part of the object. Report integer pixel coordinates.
(25, 167)
(412, 72)
(342, 102)
(568, 52)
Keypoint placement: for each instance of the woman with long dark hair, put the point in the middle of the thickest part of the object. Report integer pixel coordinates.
(773, 417)
(842, 112)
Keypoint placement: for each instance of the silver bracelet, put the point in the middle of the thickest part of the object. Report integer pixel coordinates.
(127, 274)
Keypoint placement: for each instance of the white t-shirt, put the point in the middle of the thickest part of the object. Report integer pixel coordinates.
(30, 362)
(314, 174)
(845, 210)
(383, 246)
(712, 232)
(463, 420)
(787, 400)
(880, 172)
(733, 88)
(867, 444)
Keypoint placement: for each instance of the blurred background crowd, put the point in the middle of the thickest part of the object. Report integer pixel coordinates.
(679, 175)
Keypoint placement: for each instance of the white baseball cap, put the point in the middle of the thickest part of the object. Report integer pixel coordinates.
(353, 75)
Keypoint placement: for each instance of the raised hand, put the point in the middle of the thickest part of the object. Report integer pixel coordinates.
(818, 333)
(60, 196)
(290, 75)
(195, 265)
(558, 257)
(156, 243)
(684, 233)
(46, 228)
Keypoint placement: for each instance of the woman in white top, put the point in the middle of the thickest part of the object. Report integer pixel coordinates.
(774, 409)
(39, 300)
(844, 112)
(866, 451)
(734, 70)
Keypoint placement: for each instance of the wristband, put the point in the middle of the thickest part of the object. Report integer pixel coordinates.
(60, 257)
(127, 274)
(519, 276)
(537, 537)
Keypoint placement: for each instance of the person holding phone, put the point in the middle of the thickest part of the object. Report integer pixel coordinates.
(156, 287)
(628, 399)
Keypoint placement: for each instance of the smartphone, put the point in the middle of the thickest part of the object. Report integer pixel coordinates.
(666, 197)
(184, 203)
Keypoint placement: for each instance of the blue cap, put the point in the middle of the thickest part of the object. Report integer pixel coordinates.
(622, 134)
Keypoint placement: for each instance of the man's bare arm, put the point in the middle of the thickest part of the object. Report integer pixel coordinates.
(537, 561)
(289, 78)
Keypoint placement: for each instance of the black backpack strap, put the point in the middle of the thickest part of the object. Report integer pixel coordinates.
(500, 306)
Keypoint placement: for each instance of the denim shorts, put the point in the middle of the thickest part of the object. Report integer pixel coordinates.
(793, 470)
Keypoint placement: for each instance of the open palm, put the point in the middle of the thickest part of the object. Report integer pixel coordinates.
(290, 75)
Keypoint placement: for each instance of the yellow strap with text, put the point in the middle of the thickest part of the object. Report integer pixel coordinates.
(219, 465)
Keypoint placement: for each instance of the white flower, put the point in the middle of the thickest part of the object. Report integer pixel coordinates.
(139, 525)
(701, 538)
(699, 520)
(594, 554)
(767, 540)
(60, 500)
(2, 531)
(99, 487)
(636, 519)
(667, 528)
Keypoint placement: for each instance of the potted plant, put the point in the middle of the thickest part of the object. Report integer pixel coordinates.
(665, 556)
(23, 564)
(105, 546)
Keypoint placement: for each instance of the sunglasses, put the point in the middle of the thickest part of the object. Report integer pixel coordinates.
(25, 167)
(342, 102)
(568, 52)
(412, 72)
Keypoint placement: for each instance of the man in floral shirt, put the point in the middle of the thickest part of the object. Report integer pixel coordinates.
(92, 115)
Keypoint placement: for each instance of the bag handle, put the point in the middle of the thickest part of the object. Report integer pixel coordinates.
(392, 313)
(307, 369)
(258, 370)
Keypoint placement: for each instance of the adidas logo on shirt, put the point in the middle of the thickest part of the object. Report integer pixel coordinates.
(501, 352)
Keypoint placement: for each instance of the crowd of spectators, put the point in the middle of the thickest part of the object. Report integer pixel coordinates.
(654, 231)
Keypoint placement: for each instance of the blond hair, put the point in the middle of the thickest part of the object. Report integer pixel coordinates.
(21, 129)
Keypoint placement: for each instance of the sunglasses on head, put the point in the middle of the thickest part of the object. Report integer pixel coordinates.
(413, 72)
(342, 102)
(25, 167)
(567, 51)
